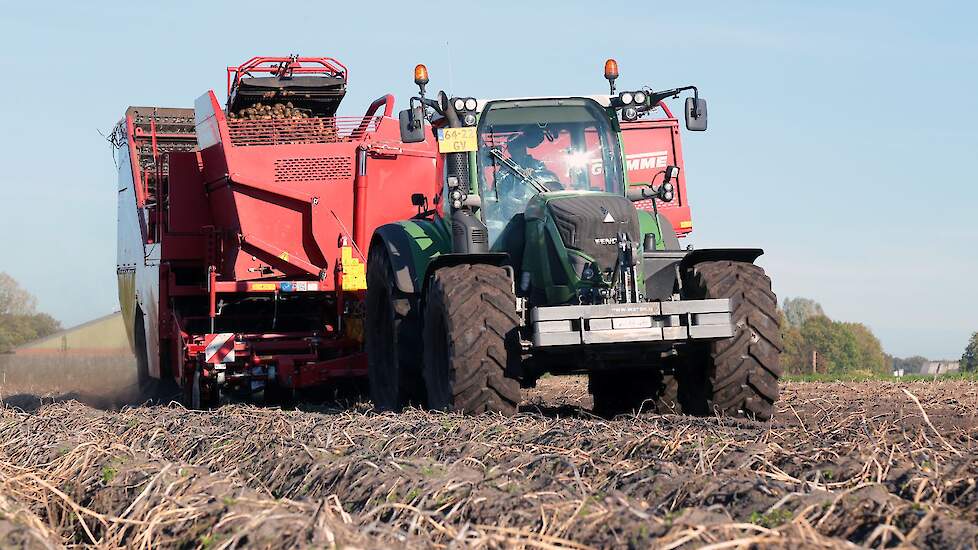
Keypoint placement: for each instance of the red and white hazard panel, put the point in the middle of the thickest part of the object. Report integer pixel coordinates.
(219, 348)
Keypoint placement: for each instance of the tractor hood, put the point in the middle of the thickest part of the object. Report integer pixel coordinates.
(589, 222)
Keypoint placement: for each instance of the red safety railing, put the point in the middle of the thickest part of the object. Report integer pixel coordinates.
(287, 66)
(300, 131)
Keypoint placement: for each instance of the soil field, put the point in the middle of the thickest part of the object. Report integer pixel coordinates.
(876, 464)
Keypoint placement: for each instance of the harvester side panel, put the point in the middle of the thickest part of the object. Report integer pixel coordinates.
(137, 267)
(187, 210)
(283, 200)
(650, 146)
(389, 180)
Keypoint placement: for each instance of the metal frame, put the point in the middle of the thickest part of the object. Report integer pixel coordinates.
(327, 66)
(667, 321)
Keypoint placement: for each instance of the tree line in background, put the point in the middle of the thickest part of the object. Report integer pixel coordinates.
(969, 359)
(19, 320)
(816, 344)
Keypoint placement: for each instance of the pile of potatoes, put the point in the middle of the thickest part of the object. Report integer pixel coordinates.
(276, 111)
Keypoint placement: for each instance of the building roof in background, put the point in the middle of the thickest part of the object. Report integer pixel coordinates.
(102, 335)
(940, 367)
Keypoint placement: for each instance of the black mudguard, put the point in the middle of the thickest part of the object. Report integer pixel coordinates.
(747, 255)
(660, 266)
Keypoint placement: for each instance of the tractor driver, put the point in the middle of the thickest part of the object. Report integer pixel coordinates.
(514, 187)
(518, 148)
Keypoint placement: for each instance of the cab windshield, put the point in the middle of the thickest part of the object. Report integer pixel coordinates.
(533, 146)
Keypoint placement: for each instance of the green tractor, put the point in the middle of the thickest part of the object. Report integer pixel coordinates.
(539, 262)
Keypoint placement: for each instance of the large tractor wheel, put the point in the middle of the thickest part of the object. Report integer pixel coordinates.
(633, 391)
(739, 375)
(471, 343)
(393, 338)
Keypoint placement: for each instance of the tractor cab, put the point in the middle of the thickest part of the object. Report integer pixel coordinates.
(545, 146)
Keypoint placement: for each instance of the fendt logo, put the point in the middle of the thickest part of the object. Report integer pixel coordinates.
(606, 240)
(637, 161)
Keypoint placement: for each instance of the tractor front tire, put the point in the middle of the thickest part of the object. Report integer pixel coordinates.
(736, 376)
(393, 338)
(471, 341)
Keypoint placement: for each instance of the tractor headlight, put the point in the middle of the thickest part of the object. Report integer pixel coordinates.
(667, 196)
(469, 119)
(471, 104)
(640, 97)
(459, 104)
(588, 273)
(629, 113)
(667, 187)
(626, 97)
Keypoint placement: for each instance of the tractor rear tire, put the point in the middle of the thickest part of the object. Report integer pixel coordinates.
(471, 341)
(632, 391)
(736, 376)
(393, 338)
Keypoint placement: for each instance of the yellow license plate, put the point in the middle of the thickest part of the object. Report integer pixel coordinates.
(261, 286)
(457, 140)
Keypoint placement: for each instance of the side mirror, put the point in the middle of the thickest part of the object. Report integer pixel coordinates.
(670, 173)
(695, 114)
(412, 125)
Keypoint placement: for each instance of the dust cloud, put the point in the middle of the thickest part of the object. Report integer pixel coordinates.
(99, 380)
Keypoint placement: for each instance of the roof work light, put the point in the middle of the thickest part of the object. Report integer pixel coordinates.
(420, 74)
(611, 72)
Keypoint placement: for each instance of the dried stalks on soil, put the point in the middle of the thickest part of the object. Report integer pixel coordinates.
(841, 464)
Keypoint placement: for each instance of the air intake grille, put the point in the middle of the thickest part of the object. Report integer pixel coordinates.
(590, 223)
(313, 169)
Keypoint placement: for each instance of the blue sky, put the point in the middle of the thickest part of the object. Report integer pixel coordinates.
(842, 134)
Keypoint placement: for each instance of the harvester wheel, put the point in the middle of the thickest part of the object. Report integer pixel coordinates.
(471, 343)
(142, 359)
(393, 338)
(203, 395)
(738, 375)
(631, 391)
